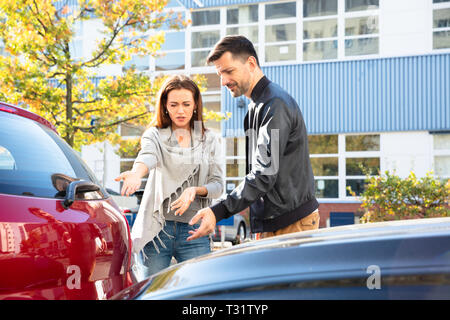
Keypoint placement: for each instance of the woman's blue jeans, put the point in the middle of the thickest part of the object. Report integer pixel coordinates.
(176, 246)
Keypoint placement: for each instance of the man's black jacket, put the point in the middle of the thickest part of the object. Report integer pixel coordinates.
(279, 185)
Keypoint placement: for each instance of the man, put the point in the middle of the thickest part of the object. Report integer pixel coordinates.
(279, 185)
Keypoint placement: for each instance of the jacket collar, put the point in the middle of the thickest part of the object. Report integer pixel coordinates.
(259, 88)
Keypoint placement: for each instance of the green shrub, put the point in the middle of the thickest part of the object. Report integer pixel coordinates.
(389, 197)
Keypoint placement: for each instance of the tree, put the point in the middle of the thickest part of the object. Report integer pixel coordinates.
(389, 197)
(41, 71)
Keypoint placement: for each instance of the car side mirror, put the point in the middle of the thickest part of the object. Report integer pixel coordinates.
(78, 186)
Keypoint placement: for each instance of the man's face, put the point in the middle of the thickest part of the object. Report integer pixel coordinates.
(234, 74)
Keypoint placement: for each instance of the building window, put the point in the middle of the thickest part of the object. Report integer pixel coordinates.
(170, 61)
(203, 40)
(236, 168)
(211, 101)
(291, 31)
(212, 106)
(172, 52)
(235, 162)
(235, 147)
(441, 147)
(280, 42)
(359, 5)
(441, 24)
(320, 30)
(319, 8)
(325, 164)
(362, 158)
(281, 10)
(242, 14)
(198, 58)
(250, 32)
(207, 17)
(212, 82)
(280, 32)
(317, 29)
(362, 143)
(361, 27)
(205, 34)
(338, 162)
(139, 62)
(341, 161)
(243, 20)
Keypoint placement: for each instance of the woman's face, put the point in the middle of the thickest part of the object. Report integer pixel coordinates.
(181, 106)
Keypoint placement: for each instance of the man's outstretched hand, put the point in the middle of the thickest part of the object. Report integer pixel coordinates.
(207, 225)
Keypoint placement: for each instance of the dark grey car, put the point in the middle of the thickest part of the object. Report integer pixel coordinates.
(407, 259)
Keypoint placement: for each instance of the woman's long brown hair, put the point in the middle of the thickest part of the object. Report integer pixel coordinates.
(173, 83)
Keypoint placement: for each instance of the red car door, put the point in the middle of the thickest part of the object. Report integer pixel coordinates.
(61, 234)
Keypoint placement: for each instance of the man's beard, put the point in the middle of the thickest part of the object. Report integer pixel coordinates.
(239, 90)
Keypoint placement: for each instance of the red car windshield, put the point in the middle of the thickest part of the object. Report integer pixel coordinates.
(34, 160)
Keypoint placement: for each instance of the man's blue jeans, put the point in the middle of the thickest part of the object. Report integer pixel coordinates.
(176, 246)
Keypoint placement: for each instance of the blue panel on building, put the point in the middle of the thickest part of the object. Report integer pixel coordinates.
(374, 95)
(341, 218)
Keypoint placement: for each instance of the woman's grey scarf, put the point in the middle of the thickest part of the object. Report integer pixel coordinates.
(174, 172)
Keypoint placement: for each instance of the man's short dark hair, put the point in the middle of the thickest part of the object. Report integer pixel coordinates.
(238, 46)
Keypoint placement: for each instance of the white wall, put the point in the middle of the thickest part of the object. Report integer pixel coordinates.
(104, 162)
(405, 27)
(404, 152)
(92, 35)
(105, 165)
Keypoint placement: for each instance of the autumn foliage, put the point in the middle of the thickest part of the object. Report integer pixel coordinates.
(389, 197)
(40, 71)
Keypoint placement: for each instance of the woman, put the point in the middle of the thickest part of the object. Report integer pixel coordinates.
(182, 159)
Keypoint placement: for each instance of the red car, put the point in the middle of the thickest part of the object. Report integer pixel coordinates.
(61, 234)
